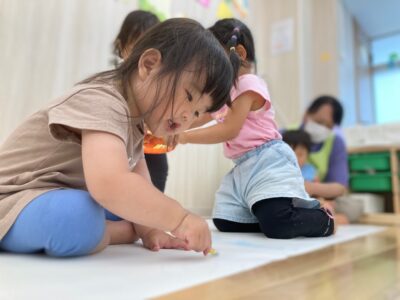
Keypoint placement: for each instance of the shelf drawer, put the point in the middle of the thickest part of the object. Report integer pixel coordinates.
(379, 161)
(371, 183)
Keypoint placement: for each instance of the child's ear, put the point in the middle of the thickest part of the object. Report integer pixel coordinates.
(149, 61)
(241, 51)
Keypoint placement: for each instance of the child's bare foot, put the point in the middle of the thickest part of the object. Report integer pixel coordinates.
(342, 219)
(121, 232)
(329, 205)
(117, 232)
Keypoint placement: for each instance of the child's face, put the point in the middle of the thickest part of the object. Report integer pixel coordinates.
(170, 116)
(301, 154)
(174, 116)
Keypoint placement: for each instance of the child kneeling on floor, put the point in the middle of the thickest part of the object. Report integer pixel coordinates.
(265, 189)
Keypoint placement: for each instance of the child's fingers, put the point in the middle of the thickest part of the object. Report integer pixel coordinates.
(151, 244)
(205, 252)
(207, 244)
(174, 243)
(172, 141)
(201, 242)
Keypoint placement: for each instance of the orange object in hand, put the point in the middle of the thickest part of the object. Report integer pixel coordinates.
(155, 145)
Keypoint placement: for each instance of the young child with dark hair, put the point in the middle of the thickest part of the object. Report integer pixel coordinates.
(300, 142)
(265, 189)
(69, 169)
(134, 25)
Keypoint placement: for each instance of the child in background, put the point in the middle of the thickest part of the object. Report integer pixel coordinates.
(73, 163)
(300, 142)
(265, 190)
(134, 25)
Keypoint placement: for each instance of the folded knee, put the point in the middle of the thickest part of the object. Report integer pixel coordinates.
(75, 239)
(78, 231)
(277, 230)
(223, 225)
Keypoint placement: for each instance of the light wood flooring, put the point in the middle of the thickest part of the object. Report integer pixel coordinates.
(365, 268)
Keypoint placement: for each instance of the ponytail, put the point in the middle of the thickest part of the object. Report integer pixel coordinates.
(233, 55)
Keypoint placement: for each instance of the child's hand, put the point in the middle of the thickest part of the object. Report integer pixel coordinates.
(172, 141)
(156, 239)
(194, 230)
(182, 138)
(330, 205)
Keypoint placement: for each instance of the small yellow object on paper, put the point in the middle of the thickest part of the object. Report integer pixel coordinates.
(213, 251)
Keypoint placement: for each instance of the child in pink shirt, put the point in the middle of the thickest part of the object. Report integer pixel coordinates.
(265, 189)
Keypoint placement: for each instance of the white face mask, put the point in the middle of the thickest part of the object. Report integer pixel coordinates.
(318, 132)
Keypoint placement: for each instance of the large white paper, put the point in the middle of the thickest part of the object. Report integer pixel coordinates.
(132, 272)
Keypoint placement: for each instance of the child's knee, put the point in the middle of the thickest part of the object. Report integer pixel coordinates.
(79, 229)
(276, 230)
(75, 237)
(221, 225)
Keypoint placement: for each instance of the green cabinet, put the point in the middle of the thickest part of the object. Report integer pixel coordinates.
(376, 169)
(380, 182)
(373, 162)
(370, 172)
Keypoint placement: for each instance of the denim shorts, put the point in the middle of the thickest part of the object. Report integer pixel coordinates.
(268, 171)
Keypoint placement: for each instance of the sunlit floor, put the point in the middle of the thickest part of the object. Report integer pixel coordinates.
(365, 268)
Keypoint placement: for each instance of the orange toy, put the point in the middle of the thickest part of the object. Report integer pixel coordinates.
(155, 145)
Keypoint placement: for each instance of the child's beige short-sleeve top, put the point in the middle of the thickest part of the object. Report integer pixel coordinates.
(43, 154)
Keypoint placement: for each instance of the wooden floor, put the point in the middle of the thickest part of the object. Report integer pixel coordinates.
(366, 268)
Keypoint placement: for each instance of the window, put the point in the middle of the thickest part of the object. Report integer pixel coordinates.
(386, 78)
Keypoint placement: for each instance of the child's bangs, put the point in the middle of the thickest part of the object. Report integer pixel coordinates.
(216, 78)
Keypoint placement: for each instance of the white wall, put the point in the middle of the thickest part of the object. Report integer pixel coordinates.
(347, 66)
(47, 46)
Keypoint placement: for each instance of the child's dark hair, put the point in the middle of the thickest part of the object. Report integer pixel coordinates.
(133, 26)
(333, 102)
(184, 45)
(231, 33)
(296, 138)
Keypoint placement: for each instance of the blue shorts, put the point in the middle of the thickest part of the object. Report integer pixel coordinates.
(268, 171)
(60, 223)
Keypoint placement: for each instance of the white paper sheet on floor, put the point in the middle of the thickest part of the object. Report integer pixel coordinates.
(132, 272)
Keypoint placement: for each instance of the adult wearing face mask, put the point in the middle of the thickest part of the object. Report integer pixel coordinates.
(328, 152)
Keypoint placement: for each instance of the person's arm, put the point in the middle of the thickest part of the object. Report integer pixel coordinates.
(338, 170)
(152, 238)
(141, 169)
(227, 130)
(131, 196)
(324, 190)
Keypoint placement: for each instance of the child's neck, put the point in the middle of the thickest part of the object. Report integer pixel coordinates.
(245, 70)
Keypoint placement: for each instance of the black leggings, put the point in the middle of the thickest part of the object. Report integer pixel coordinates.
(158, 169)
(279, 219)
